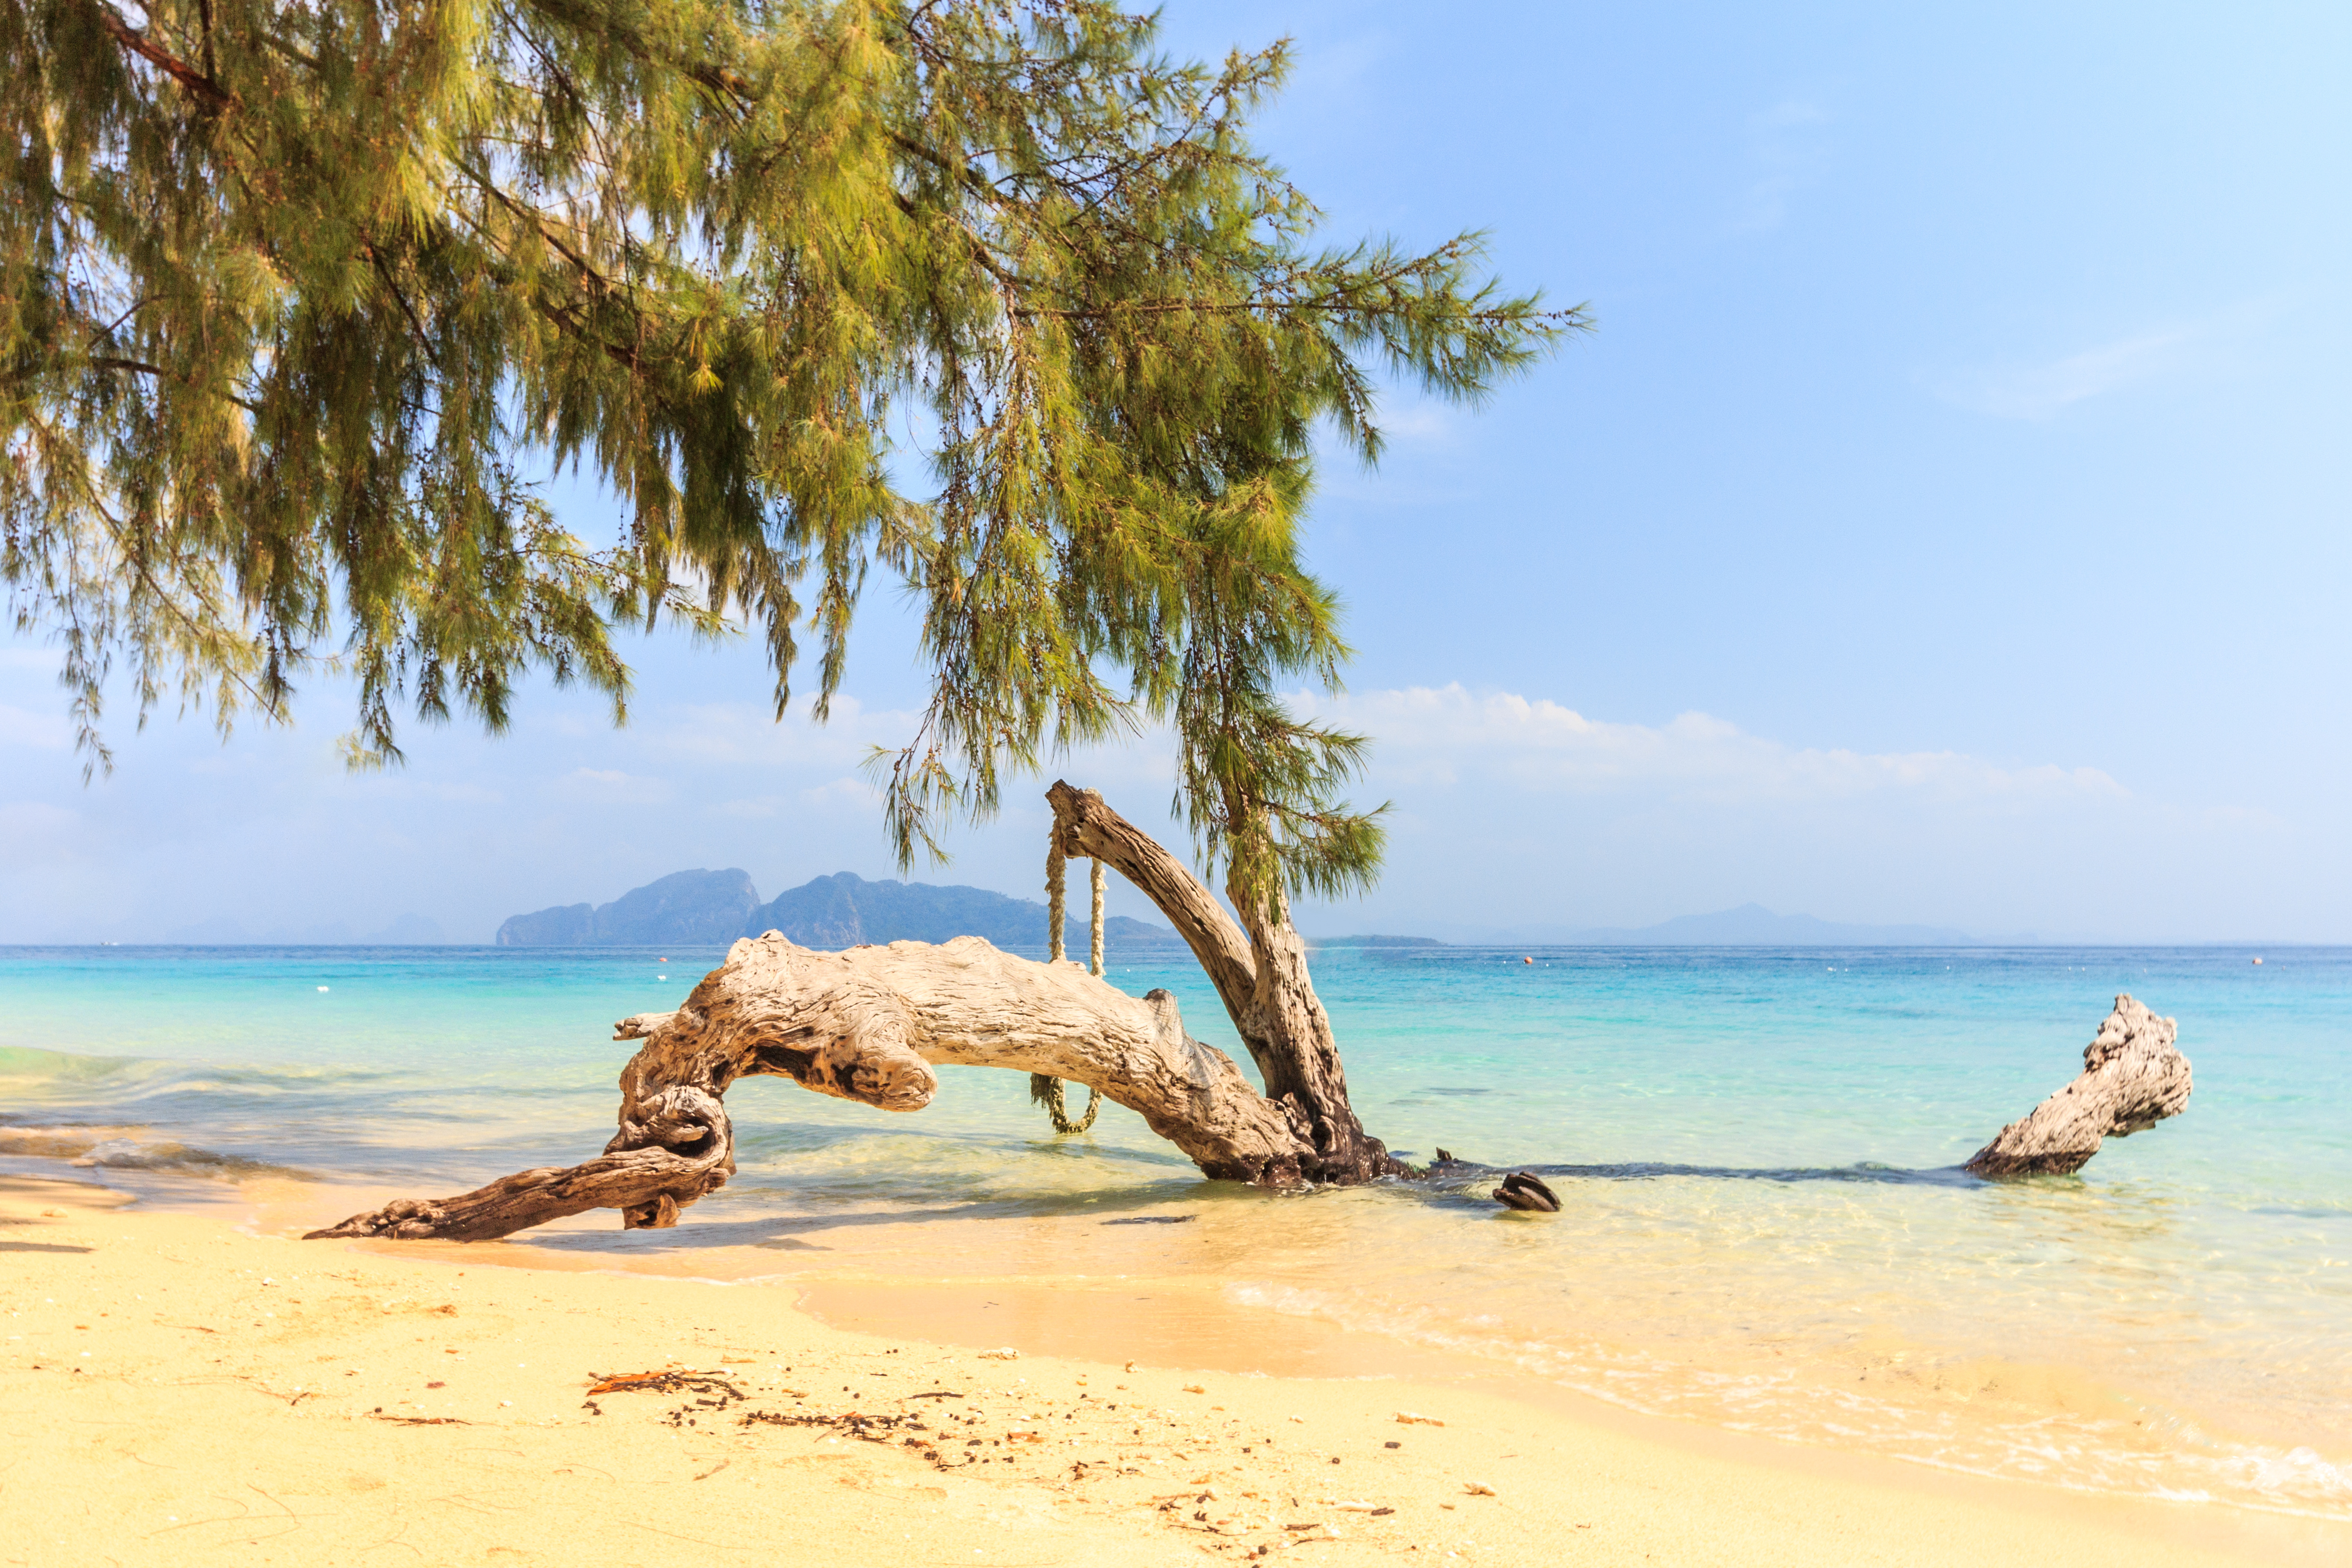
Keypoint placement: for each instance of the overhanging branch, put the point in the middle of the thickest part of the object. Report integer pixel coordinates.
(178, 69)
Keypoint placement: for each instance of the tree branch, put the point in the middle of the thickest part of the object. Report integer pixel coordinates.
(178, 69)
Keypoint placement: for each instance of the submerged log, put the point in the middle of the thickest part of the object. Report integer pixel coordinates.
(2133, 1077)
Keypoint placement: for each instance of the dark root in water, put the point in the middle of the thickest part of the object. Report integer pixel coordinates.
(1525, 1191)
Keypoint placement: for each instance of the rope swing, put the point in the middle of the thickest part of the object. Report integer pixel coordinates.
(1055, 900)
(1045, 1088)
(1095, 964)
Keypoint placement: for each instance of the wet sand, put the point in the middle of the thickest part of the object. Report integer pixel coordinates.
(178, 1388)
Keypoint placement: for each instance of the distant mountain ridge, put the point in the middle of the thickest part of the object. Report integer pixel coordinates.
(702, 907)
(1753, 925)
(1749, 925)
(840, 911)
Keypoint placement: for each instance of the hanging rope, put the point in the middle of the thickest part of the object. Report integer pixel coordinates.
(1054, 899)
(1045, 1088)
(1095, 962)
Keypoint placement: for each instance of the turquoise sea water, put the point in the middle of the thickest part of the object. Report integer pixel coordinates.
(1764, 1227)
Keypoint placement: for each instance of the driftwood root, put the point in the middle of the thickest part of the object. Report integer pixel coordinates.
(677, 1146)
(1526, 1191)
(2132, 1077)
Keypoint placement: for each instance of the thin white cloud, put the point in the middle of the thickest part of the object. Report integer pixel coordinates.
(611, 786)
(1784, 154)
(2041, 390)
(33, 833)
(751, 808)
(747, 733)
(26, 818)
(840, 794)
(1446, 735)
(398, 786)
(853, 794)
(1337, 71)
(44, 731)
(1421, 421)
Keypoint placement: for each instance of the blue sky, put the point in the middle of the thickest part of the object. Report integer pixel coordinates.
(1945, 524)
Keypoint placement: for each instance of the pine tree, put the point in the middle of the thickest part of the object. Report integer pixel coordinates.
(296, 297)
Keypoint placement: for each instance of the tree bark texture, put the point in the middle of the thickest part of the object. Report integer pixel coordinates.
(868, 1025)
(1259, 968)
(2133, 1077)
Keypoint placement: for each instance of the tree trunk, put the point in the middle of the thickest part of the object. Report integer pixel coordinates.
(2133, 1077)
(1260, 974)
(868, 1025)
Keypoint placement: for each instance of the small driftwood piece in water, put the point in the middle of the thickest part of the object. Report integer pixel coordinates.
(1525, 1191)
(868, 1025)
(2133, 1077)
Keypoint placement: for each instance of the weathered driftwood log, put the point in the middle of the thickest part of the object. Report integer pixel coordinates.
(868, 1025)
(1259, 968)
(2133, 1077)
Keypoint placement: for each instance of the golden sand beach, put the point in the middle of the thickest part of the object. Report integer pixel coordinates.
(200, 1387)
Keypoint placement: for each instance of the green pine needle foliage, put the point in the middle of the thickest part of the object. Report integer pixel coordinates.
(292, 293)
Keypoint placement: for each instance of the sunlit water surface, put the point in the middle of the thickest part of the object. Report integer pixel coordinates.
(1764, 1225)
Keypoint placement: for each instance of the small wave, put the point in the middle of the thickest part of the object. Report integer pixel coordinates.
(129, 1149)
(1460, 1175)
(68, 1142)
(27, 1073)
(2080, 1444)
(179, 1158)
(32, 1076)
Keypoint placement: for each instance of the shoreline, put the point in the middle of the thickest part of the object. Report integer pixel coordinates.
(191, 1365)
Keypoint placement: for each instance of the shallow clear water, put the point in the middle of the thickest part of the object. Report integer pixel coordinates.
(1764, 1225)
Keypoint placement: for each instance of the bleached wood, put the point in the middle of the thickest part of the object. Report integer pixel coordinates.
(1258, 965)
(868, 1025)
(2132, 1077)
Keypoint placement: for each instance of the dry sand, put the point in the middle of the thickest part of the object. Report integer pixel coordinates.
(176, 1389)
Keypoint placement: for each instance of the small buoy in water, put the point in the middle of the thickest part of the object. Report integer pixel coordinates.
(322, 988)
(1527, 961)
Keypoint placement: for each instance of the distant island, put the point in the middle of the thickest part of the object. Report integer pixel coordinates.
(710, 908)
(1749, 925)
(1753, 925)
(713, 908)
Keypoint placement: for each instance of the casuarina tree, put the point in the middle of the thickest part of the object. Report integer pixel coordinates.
(298, 301)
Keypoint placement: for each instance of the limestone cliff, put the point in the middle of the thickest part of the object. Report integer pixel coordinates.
(713, 908)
